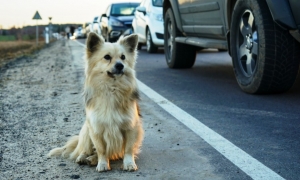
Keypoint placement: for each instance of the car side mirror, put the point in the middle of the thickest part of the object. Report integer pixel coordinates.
(103, 16)
(141, 9)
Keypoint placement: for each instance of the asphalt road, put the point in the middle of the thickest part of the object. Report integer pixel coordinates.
(264, 126)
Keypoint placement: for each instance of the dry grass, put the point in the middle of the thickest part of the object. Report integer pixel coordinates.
(14, 49)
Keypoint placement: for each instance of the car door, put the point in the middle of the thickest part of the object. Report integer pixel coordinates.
(186, 16)
(208, 18)
(141, 21)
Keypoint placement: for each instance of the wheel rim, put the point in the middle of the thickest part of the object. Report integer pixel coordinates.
(148, 40)
(169, 39)
(247, 44)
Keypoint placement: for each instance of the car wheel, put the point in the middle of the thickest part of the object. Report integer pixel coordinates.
(265, 57)
(178, 55)
(139, 46)
(151, 48)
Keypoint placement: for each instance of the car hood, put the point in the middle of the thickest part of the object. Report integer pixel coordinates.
(123, 18)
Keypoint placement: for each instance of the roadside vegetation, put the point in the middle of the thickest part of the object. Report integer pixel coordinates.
(14, 49)
(21, 41)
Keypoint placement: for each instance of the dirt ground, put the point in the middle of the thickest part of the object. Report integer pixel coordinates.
(41, 107)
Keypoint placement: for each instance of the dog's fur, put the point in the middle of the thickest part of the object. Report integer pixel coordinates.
(113, 127)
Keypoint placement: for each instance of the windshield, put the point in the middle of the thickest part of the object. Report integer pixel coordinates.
(123, 9)
(157, 3)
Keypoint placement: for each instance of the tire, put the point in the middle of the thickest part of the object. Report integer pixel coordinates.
(139, 46)
(151, 48)
(177, 55)
(265, 57)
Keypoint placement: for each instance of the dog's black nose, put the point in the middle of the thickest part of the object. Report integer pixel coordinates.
(119, 66)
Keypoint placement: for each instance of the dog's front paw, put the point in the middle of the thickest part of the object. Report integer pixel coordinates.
(130, 167)
(128, 163)
(103, 164)
(92, 160)
(102, 167)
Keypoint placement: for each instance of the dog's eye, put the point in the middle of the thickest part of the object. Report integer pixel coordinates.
(107, 57)
(123, 57)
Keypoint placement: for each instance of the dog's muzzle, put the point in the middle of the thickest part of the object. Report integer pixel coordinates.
(118, 69)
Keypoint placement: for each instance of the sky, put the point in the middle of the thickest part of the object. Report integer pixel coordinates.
(19, 13)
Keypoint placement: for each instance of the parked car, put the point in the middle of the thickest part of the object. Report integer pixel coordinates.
(262, 37)
(117, 19)
(94, 26)
(148, 24)
(85, 28)
(79, 33)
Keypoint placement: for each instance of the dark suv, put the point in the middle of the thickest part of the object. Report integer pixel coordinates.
(262, 37)
(117, 19)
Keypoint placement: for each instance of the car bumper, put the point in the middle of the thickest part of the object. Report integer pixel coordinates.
(157, 32)
(115, 32)
(158, 38)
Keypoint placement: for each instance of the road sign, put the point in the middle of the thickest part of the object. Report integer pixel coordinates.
(37, 16)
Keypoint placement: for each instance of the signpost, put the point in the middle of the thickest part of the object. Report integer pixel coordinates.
(50, 28)
(37, 17)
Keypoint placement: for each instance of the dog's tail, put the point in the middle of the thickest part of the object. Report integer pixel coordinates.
(66, 150)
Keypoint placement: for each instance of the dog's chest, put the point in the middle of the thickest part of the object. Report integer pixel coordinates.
(105, 116)
(111, 106)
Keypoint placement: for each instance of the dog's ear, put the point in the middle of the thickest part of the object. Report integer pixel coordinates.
(93, 43)
(130, 42)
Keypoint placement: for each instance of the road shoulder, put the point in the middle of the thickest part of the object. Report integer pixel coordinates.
(41, 107)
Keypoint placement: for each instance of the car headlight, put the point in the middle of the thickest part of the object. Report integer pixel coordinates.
(115, 23)
(158, 17)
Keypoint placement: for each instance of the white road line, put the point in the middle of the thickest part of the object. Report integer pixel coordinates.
(251, 166)
(237, 156)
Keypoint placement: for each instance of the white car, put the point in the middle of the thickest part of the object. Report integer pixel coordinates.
(78, 33)
(148, 24)
(94, 26)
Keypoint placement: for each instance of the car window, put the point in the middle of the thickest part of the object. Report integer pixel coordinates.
(123, 9)
(157, 3)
